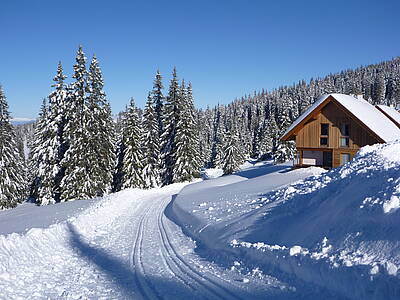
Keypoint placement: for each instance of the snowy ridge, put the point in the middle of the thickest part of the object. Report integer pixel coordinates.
(338, 230)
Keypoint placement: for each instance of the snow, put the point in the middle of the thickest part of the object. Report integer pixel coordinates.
(295, 250)
(337, 232)
(362, 110)
(20, 121)
(117, 247)
(391, 112)
(211, 173)
(391, 205)
(265, 232)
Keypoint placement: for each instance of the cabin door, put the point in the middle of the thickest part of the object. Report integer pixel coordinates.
(327, 159)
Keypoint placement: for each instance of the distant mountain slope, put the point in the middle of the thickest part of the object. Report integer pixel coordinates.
(21, 121)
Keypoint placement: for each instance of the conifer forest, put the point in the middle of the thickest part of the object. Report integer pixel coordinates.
(77, 149)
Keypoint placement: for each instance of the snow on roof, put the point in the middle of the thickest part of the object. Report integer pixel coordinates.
(362, 110)
(391, 112)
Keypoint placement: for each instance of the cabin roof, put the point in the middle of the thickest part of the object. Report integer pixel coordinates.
(391, 113)
(365, 112)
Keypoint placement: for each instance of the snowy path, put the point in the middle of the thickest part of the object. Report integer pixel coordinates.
(123, 247)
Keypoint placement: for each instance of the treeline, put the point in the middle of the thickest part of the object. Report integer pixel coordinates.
(258, 120)
(78, 151)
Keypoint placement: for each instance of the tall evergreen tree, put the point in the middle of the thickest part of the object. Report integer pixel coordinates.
(133, 156)
(232, 156)
(217, 141)
(101, 132)
(158, 100)
(285, 151)
(185, 154)
(77, 182)
(170, 121)
(379, 89)
(12, 169)
(49, 145)
(151, 145)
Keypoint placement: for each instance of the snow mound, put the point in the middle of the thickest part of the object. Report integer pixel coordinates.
(339, 230)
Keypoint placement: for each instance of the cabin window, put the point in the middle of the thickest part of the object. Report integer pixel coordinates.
(324, 139)
(344, 135)
(344, 158)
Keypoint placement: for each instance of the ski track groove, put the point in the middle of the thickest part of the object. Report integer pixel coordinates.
(165, 256)
(207, 283)
(142, 282)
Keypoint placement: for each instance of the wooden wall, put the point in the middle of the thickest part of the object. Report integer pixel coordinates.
(332, 114)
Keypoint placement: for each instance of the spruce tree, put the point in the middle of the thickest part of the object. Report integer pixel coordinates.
(12, 168)
(185, 154)
(36, 155)
(170, 121)
(102, 132)
(132, 166)
(50, 144)
(151, 146)
(286, 151)
(158, 100)
(77, 182)
(232, 157)
(379, 89)
(217, 141)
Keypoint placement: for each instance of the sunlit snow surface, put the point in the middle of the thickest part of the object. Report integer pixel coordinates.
(118, 247)
(338, 230)
(266, 232)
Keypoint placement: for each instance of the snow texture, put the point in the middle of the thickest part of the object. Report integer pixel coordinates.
(337, 231)
(118, 247)
(391, 111)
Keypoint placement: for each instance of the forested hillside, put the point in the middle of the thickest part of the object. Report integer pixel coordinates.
(258, 120)
(79, 151)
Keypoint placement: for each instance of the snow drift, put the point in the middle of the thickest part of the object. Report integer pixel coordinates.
(338, 230)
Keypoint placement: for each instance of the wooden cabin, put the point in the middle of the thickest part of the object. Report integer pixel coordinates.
(335, 127)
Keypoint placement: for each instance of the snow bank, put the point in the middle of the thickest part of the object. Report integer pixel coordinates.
(338, 230)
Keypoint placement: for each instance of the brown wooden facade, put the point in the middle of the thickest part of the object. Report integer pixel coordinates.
(329, 136)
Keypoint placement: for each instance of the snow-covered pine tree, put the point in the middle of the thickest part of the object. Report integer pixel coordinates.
(158, 100)
(12, 168)
(101, 132)
(49, 144)
(133, 156)
(186, 141)
(194, 131)
(151, 145)
(232, 158)
(217, 141)
(120, 150)
(77, 181)
(286, 151)
(378, 96)
(170, 121)
(35, 156)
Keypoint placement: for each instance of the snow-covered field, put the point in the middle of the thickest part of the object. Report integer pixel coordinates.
(336, 231)
(264, 232)
(118, 247)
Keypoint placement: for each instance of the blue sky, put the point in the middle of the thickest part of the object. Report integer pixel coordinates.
(225, 48)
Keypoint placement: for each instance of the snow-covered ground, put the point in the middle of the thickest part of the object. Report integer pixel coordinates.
(336, 231)
(118, 247)
(264, 232)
